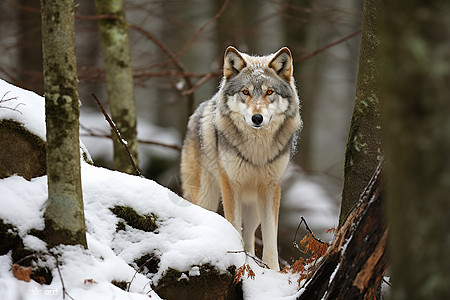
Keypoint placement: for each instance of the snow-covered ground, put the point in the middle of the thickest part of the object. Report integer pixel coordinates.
(186, 235)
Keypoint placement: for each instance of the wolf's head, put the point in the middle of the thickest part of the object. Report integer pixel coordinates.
(261, 89)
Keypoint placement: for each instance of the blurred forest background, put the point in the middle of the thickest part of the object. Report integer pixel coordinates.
(323, 36)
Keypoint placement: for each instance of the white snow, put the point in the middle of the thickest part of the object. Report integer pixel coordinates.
(24, 106)
(307, 198)
(187, 235)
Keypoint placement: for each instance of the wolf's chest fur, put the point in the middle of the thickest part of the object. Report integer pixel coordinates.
(249, 154)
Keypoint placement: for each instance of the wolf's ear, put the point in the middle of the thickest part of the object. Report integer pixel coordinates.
(233, 62)
(282, 63)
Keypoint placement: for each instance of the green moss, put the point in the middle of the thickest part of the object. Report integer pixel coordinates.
(16, 126)
(120, 284)
(146, 223)
(86, 159)
(120, 226)
(42, 275)
(209, 275)
(25, 257)
(9, 237)
(170, 277)
(148, 263)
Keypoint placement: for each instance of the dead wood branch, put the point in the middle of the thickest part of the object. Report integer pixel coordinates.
(3, 100)
(61, 278)
(91, 133)
(356, 261)
(326, 47)
(195, 36)
(201, 82)
(116, 131)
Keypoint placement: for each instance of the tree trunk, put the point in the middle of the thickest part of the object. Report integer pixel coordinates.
(416, 110)
(119, 79)
(30, 51)
(363, 150)
(356, 261)
(64, 214)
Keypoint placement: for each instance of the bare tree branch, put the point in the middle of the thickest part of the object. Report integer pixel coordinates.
(178, 65)
(201, 81)
(215, 17)
(149, 142)
(326, 47)
(116, 131)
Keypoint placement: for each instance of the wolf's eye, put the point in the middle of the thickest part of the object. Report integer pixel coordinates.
(269, 92)
(245, 92)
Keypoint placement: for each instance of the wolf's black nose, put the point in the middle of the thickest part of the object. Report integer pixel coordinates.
(257, 119)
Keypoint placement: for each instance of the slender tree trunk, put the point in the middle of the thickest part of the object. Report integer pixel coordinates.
(30, 51)
(363, 151)
(416, 113)
(64, 214)
(119, 79)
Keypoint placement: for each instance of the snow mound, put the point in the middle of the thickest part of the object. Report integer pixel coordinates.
(185, 236)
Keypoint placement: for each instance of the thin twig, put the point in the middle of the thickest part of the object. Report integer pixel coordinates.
(282, 261)
(3, 100)
(158, 42)
(201, 82)
(137, 271)
(61, 278)
(173, 58)
(308, 229)
(116, 131)
(139, 74)
(322, 49)
(109, 136)
(248, 254)
(215, 17)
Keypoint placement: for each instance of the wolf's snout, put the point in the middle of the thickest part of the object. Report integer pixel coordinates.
(257, 119)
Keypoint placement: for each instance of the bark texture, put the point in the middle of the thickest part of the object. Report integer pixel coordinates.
(356, 261)
(64, 214)
(363, 151)
(416, 110)
(119, 79)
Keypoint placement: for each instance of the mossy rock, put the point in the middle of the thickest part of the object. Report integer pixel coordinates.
(131, 217)
(25, 257)
(22, 153)
(147, 263)
(120, 284)
(10, 239)
(210, 284)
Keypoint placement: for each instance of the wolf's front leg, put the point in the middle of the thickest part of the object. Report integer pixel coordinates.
(231, 205)
(251, 221)
(269, 204)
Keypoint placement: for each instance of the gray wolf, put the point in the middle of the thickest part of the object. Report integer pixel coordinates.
(238, 145)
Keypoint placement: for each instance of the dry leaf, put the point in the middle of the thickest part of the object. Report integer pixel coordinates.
(90, 281)
(21, 273)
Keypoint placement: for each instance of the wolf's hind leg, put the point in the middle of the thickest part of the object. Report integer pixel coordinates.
(190, 169)
(251, 221)
(209, 194)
